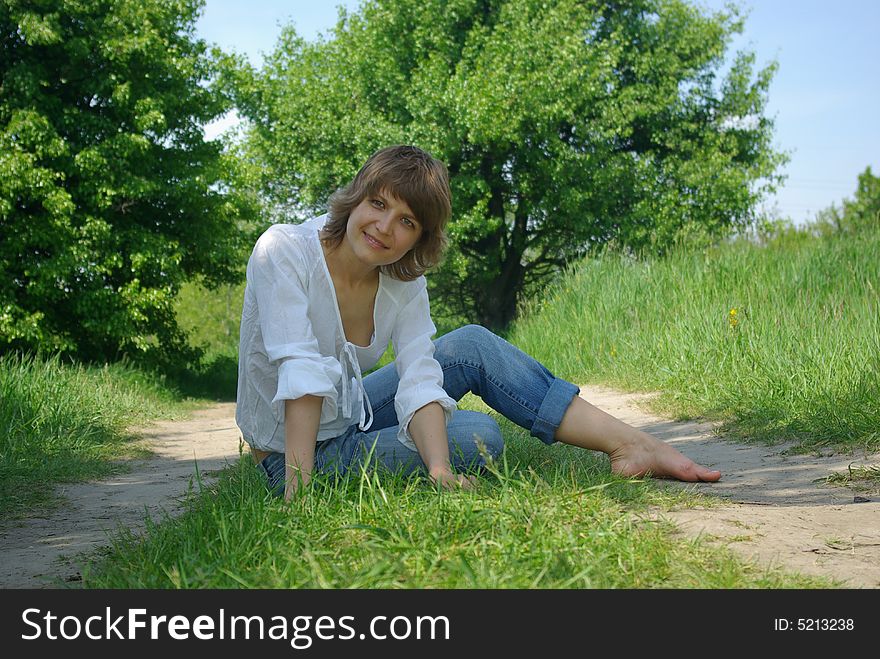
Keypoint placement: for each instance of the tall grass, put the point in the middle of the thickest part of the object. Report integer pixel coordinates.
(62, 422)
(781, 340)
(211, 319)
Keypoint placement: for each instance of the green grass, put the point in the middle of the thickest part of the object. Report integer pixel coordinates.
(865, 479)
(780, 341)
(62, 422)
(211, 320)
(546, 517)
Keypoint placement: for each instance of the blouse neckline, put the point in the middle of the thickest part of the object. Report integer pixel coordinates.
(323, 259)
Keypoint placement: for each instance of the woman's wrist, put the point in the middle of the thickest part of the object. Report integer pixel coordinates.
(440, 469)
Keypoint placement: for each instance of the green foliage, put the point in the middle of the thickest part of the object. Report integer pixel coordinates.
(109, 195)
(858, 214)
(565, 125)
(781, 341)
(211, 318)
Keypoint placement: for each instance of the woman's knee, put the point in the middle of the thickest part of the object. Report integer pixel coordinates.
(492, 438)
(464, 342)
(473, 333)
(478, 436)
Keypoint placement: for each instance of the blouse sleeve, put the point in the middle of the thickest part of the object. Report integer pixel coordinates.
(277, 272)
(421, 378)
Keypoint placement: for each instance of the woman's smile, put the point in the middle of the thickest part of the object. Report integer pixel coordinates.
(375, 243)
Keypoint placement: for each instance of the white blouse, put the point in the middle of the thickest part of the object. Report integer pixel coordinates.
(293, 343)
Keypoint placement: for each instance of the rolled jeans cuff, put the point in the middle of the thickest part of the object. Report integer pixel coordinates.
(553, 408)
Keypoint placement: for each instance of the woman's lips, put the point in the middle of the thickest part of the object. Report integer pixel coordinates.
(375, 243)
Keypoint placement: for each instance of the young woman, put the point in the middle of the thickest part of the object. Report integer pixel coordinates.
(322, 301)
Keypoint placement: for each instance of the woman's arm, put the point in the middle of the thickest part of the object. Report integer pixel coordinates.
(278, 275)
(428, 431)
(421, 378)
(301, 419)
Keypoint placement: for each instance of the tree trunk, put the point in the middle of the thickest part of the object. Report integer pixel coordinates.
(497, 301)
(498, 305)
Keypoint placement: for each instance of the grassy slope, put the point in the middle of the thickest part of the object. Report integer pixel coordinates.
(554, 517)
(781, 341)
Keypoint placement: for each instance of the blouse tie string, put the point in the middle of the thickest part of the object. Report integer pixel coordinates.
(353, 392)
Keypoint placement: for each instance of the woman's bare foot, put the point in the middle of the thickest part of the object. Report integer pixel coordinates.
(651, 457)
(632, 452)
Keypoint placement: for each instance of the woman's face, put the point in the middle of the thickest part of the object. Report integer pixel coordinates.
(382, 229)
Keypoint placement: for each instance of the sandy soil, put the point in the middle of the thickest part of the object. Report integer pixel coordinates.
(47, 551)
(773, 511)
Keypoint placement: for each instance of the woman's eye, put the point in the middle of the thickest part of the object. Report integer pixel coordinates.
(378, 204)
(408, 222)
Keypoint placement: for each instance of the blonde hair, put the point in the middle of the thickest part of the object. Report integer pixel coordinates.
(413, 176)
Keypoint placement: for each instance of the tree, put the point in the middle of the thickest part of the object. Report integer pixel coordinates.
(565, 125)
(109, 195)
(858, 214)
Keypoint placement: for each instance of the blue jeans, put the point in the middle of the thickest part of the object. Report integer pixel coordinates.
(475, 360)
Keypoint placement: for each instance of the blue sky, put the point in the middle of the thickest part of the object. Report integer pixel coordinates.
(824, 98)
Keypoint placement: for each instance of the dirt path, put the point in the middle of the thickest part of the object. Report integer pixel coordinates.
(775, 508)
(774, 512)
(43, 551)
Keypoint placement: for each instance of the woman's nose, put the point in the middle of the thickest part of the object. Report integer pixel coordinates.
(383, 224)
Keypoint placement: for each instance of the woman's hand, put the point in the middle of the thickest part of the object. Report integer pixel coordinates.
(451, 481)
(294, 479)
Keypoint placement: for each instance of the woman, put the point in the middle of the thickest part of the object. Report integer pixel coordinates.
(322, 301)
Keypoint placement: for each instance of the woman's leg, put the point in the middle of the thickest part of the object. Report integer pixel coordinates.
(523, 390)
(508, 380)
(474, 438)
(632, 452)
(475, 360)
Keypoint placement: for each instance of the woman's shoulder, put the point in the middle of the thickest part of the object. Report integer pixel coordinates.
(402, 292)
(282, 237)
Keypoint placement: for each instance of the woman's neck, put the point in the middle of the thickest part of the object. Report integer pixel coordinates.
(344, 267)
